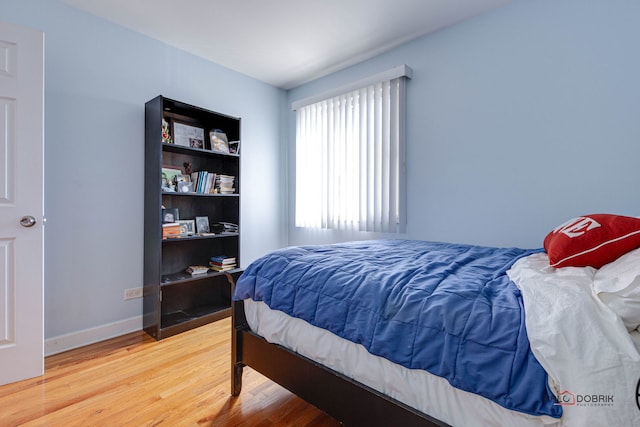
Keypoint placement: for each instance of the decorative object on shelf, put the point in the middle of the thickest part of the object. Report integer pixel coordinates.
(219, 141)
(188, 225)
(166, 136)
(170, 215)
(167, 187)
(187, 136)
(188, 169)
(202, 224)
(185, 187)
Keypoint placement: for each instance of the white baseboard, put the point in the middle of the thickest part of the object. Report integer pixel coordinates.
(92, 335)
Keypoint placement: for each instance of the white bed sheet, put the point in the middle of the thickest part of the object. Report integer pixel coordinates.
(426, 392)
(582, 344)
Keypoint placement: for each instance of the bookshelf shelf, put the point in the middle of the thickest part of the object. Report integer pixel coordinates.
(174, 300)
(191, 194)
(172, 148)
(196, 237)
(183, 277)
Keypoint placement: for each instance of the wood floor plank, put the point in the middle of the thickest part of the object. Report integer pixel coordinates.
(135, 381)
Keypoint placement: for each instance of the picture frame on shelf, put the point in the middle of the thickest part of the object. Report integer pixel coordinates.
(184, 187)
(187, 135)
(219, 141)
(234, 147)
(202, 224)
(170, 215)
(187, 227)
(166, 136)
(167, 187)
(169, 174)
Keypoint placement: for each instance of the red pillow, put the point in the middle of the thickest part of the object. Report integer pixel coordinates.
(593, 240)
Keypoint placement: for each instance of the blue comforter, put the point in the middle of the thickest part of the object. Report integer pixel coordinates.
(449, 309)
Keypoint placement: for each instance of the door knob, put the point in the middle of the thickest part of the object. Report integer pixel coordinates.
(27, 221)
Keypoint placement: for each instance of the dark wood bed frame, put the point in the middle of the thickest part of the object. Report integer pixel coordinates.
(348, 401)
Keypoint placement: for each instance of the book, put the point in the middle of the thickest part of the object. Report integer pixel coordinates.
(222, 268)
(209, 186)
(197, 269)
(202, 179)
(170, 230)
(222, 259)
(225, 227)
(195, 176)
(219, 266)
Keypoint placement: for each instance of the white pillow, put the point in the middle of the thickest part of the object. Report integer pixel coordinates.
(617, 284)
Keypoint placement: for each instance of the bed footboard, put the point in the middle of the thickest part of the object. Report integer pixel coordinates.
(346, 400)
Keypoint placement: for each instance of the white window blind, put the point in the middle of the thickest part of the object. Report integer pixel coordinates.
(350, 157)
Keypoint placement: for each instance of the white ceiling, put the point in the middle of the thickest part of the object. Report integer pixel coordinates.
(285, 42)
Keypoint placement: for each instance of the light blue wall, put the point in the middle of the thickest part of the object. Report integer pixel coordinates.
(517, 120)
(97, 78)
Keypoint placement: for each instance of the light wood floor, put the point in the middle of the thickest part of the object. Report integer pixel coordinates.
(134, 380)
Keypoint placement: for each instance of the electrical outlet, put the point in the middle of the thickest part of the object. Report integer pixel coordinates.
(132, 293)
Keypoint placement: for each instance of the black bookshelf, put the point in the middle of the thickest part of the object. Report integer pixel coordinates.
(174, 300)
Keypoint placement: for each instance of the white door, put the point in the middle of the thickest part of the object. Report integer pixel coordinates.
(21, 202)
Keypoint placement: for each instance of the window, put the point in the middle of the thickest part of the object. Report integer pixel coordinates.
(350, 156)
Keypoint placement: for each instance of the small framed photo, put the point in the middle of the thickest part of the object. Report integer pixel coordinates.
(219, 141)
(170, 215)
(187, 227)
(167, 187)
(184, 187)
(187, 135)
(169, 174)
(234, 147)
(196, 143)
(202, 224)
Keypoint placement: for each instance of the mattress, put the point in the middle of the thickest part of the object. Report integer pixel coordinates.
(423, 391)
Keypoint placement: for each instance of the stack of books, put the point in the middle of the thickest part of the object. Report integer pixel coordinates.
(203, 182)
(222, 263)
(229, 227)
(224, 184)
(170, 230)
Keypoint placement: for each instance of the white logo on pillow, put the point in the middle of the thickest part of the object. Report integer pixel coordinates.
(577, 227)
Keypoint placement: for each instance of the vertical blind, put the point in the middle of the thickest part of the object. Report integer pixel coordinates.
(350, 160)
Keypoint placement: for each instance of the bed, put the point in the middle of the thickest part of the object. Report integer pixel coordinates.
(404, 332)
